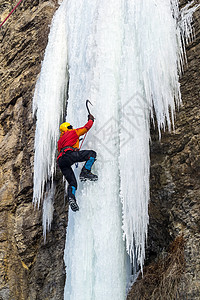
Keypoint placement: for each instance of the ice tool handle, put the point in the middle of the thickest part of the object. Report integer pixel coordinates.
(87, 101)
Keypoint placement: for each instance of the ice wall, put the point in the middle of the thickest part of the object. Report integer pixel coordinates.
(95, 254)
(126, 57)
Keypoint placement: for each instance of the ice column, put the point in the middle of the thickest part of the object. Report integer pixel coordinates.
(153, 51)
(95, 253)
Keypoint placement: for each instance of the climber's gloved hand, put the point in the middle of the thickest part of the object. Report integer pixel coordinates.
(90, 117)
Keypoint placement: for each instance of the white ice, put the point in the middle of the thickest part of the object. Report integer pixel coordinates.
(126, 57)
(95, 253)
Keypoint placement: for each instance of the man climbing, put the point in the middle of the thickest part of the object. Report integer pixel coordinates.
(68, 147)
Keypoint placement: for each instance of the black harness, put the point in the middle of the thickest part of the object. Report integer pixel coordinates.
(68, 147)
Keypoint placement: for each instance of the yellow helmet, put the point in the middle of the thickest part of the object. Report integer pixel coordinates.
(64, 126)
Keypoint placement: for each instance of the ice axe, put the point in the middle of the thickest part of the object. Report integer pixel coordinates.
(88, 101)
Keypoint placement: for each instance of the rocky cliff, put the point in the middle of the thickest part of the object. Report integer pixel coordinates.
(30, 269)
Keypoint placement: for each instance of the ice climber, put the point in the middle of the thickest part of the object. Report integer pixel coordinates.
(68, 148)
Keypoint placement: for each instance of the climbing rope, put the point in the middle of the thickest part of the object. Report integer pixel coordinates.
(82, 141)
(11, 13)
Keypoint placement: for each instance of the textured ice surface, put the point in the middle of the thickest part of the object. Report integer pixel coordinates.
(95, 252)
(126, 57)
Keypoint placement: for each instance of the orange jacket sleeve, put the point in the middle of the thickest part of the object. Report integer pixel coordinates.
(82, 130)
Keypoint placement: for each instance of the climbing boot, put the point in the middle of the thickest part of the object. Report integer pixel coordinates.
(72, 198)
(87, 175)
(73, 204)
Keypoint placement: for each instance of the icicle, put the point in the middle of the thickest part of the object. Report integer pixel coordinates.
(49, 106)
(185, 22)
(48, 208)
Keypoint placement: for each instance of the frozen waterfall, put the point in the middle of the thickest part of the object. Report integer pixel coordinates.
(124, 57)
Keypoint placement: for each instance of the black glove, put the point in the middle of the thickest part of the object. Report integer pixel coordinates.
(90, 117)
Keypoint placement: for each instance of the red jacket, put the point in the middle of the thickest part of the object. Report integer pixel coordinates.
(71, 137)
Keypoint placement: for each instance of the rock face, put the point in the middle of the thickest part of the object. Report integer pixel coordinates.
(30, 269)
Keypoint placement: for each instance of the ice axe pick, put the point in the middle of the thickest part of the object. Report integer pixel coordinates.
(87, 102)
